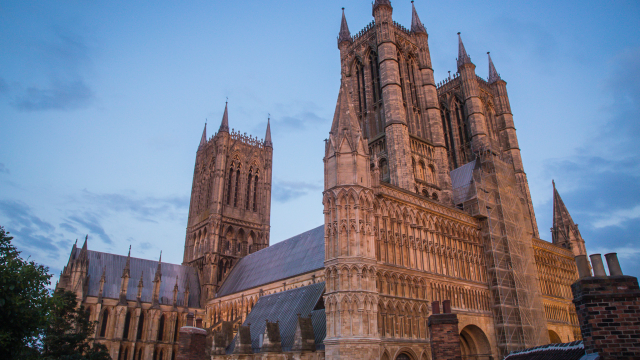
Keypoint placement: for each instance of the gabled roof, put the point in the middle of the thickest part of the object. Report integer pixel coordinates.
(284, 308)
(298, 255)
(113, 265)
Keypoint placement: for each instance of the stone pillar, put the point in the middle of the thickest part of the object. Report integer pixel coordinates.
(192, 344)
(608, 310)
(443, 331)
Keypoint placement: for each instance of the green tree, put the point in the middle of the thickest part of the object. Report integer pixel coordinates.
(66, 336)
(24, 301)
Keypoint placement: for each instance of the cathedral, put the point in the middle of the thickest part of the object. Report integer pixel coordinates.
(425, 199)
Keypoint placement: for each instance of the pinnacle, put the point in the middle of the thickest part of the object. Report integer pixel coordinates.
(416, 25)
(224, 126)
(344, 117)
(494, 76)
(463, 58)
(267, 136)
(344, 34)
(203, 139)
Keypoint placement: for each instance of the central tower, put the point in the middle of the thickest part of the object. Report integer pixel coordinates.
(229, 213)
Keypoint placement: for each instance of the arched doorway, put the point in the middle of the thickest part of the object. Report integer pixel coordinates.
(554, 338)
(403, 356)
(474, 344)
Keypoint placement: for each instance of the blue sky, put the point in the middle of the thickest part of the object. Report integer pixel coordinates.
(102, 106)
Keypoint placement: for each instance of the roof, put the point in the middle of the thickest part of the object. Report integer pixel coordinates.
(284, 308)
(298, 255)
(114, 264)
(461, 180)
(568, 351)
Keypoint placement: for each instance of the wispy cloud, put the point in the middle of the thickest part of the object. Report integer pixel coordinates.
(58, 96)
(284, 191)
(145, 208)
(4, 169)
(67, 57)
(91, 223)
(604, 195)
(29, 230)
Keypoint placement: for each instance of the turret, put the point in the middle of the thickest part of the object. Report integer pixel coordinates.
(509, 138)
(472, 103)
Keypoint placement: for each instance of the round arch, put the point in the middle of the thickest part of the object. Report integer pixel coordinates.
(474, 344)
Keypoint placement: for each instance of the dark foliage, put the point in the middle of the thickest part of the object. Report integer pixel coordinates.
(24, 301)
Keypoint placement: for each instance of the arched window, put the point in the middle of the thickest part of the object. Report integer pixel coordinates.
(235, 194)
(140, 354)
(127, 324)
(161, 328)
(105, 320)
(229, 186)
(422, 172)
(248, 197)
(376, 91)
(435, 196)
(140, 326)
(425, 193)
(255, 194)
(432, 174)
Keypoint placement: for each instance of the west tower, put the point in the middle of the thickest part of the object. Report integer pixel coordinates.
(229, 212)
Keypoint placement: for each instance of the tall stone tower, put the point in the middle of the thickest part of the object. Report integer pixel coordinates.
(350, 265)
(388, 71)
(229, 213)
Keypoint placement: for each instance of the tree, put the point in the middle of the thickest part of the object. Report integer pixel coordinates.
(66, 336)
(24, 301)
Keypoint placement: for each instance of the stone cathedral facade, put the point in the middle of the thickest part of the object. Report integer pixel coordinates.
(425, 199)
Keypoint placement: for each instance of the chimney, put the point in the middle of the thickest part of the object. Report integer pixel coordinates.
(443, 330)
(608, 309)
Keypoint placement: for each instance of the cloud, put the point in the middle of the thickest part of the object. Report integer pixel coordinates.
(284, 191)
(28, 229)
(3, 169)
(303, 120)
(68, 227)
(147, 208)
(59, 96)
(604, 195)
(67, 56)
(91, 223)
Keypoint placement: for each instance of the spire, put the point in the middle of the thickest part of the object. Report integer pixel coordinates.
(203, 139)
(159, 269)
(267, 136)
(344, 117)
(127, 267)
(344, 34)
(416, 25)
(463, 58)
(565, 232)
(224, 126)
(493, 74)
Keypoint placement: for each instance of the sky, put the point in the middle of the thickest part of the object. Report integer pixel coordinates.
(102, 106)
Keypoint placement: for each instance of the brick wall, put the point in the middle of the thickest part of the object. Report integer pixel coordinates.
(443, 330)
(608, 310)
